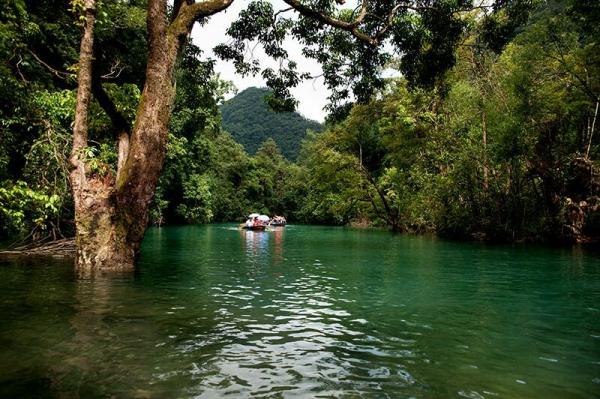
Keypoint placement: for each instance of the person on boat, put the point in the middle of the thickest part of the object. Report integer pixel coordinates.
(249, 223)
(278, 220)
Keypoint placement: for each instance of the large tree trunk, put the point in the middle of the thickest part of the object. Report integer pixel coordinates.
(111, 214)
(94, 209)
(138, 177)
(101, 238)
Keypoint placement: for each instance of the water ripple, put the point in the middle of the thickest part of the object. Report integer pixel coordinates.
(306, 312)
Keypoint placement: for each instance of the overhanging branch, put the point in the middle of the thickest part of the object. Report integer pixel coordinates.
(351, 27)
(208, 8)
(117, 119)
(190, 12)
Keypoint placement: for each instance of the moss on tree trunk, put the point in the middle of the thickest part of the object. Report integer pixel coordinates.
(101, 239)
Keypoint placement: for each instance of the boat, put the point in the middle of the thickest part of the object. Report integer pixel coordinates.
(278, 221)
(261, 227)
(278, 224)
(256, 222)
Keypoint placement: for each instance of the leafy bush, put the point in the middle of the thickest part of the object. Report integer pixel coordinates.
(24, 210)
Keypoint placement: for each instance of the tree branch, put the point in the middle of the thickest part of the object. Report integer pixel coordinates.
(115, 71)
(156, 21)
(19, 70)
(190, 12)
(117, 119)
(281, 12)
(54, 71)
(363, 13)
(351, 27)
(390, 20)
(177, 4)
(84, 82)
(208, 7)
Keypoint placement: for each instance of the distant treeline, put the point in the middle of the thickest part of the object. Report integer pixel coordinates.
(504, 146)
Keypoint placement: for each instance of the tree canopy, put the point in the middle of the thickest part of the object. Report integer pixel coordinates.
(490, 131)
(352, 45)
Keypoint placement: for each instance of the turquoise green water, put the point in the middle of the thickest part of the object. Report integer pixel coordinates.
(306, 312)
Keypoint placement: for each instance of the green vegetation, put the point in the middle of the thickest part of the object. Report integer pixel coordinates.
(39, 44)
(250, 121)
(502, 146)
(34, 117)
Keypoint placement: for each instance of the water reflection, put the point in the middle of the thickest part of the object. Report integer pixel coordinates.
(293, 334)
(262, 244)
(278, 236)
(98, 358)
(256, 243)
(305, 312)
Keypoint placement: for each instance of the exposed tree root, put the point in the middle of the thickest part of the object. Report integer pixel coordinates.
(63, 247)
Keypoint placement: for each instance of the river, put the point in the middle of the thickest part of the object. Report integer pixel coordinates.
(309, 312)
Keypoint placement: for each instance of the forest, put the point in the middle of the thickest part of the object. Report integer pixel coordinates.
(502, 145)
(443, 221)
(250, 121)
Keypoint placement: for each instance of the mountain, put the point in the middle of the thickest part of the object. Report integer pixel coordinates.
(250, 121)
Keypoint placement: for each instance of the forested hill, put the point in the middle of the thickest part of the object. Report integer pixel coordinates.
(250, 121)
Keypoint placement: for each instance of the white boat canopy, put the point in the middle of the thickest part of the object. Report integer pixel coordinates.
(264, 218)
(253, 215)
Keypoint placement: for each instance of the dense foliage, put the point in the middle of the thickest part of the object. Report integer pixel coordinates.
(493, 139)
(351, 44)
(34, 114)
(39, 43)
(250, 121)
(504, 148)
(207, 177)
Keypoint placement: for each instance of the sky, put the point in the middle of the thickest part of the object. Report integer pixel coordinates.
(311, 94)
